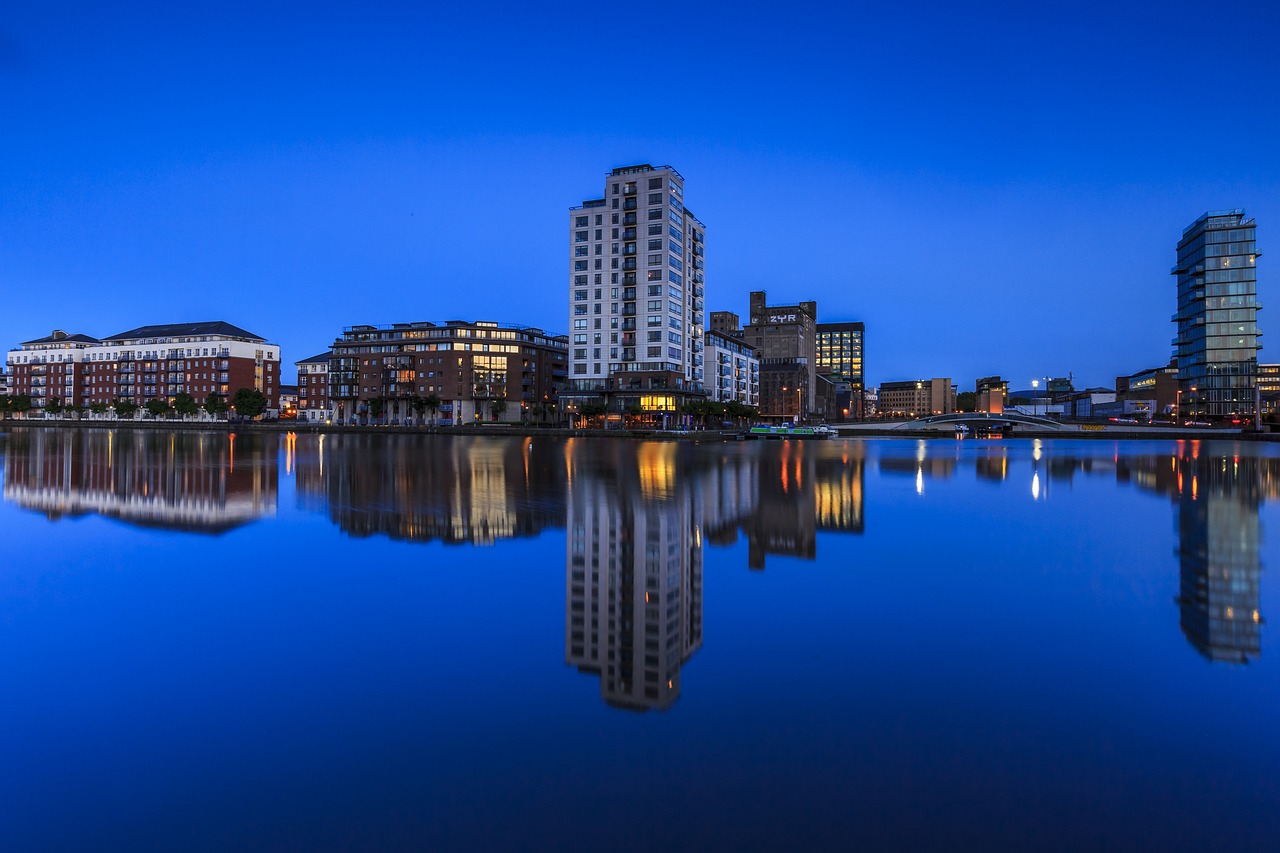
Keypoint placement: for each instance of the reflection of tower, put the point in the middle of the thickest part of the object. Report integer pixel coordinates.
(1220, 567)
(633, 579)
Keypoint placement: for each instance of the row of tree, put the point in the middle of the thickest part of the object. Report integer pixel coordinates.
(246, 402)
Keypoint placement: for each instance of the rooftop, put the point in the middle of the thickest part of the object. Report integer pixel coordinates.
(213, 328)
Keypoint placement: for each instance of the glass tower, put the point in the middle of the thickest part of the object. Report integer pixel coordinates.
(1217, 319)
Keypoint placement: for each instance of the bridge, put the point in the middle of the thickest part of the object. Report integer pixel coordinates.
(988, 420)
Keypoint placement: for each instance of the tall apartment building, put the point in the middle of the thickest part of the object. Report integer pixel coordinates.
(636, 298)
(313, 387)
(838, 349)
(733, 370)
(917, 398)
(481, 371)
(147, 363)
(1217, 318)
(785, 333)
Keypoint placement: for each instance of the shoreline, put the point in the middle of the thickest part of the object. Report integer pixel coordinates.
(843, 431)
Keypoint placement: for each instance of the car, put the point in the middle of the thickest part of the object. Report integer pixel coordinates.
(1197, 423)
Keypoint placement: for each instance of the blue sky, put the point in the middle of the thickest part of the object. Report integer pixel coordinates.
(991, 188)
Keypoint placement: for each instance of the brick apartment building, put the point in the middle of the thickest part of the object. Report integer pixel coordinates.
(144, 364)
(313, 387)
(480, 371)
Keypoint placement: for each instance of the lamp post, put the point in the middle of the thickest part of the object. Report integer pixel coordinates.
(1035, 389)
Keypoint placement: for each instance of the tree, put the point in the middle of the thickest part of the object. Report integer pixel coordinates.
(20, 404)
(248, 402)
(215, 405)
(5, 403)
(98, 408)
(185, 405)
(497, 408)
(419, 405)
(966, 401)
(54, 406)
(76, 409)
(432, 404)
(158, 408)
(376, 407)
(125, 408)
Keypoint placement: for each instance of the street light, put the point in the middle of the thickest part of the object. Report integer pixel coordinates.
(1035, 389)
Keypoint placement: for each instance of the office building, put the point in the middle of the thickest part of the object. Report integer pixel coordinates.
(636, 298)
(480, 371)
(1217, 340)
(991, 393)
(732, 370)
(917, 398)
(313, 387)
(839, 350)
(145, 364)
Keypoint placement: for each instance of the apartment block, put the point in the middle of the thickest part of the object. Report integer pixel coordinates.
(146, 363)
(781, 333)
(313, 388)
(733, 370)
(480, 371)
(636, 293)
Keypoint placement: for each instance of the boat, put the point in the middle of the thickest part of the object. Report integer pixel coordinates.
(772, 431)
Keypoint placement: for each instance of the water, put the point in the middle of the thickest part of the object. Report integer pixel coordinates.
(368, 642)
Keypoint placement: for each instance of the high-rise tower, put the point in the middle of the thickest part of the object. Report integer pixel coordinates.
(1217, 343)
(636, 259)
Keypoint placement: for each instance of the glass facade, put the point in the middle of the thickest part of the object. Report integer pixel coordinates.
(1217, 341)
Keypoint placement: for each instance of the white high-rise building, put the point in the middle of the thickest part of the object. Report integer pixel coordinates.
(636, 301)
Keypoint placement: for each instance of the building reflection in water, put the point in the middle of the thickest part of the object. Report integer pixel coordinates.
(1216, 487)
(425, 488)
(1219, 537)
(805, 488)
(639, 517)
(202, 482)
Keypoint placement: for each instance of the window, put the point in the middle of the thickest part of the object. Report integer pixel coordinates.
(581, 251)
(655, 230)
(655, 245)
(580, 236)
(655, 198)
(655, 260)
(655, 213)
(580, 221)
(580, 265)
(579, 324)
(579, 279)
(655, 183)
(655, 275)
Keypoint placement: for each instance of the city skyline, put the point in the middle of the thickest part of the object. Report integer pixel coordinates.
(943, 181)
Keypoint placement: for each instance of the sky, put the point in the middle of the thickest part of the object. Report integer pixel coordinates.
(992, 188)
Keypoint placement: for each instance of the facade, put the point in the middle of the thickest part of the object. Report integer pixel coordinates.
(917, 398)
(991, 393)
(288, 401)
(313, 388)
(726, 323)
(480, 371)
(1268, 388)
(636, 297)
(838, 355)
(1156, 387)
(733, 370)
(145, 364)
(4, 382)
(785, 388)
(1217, 317)
(779, 332)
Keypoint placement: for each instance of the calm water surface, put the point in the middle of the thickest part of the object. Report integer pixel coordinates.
(367, 642)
